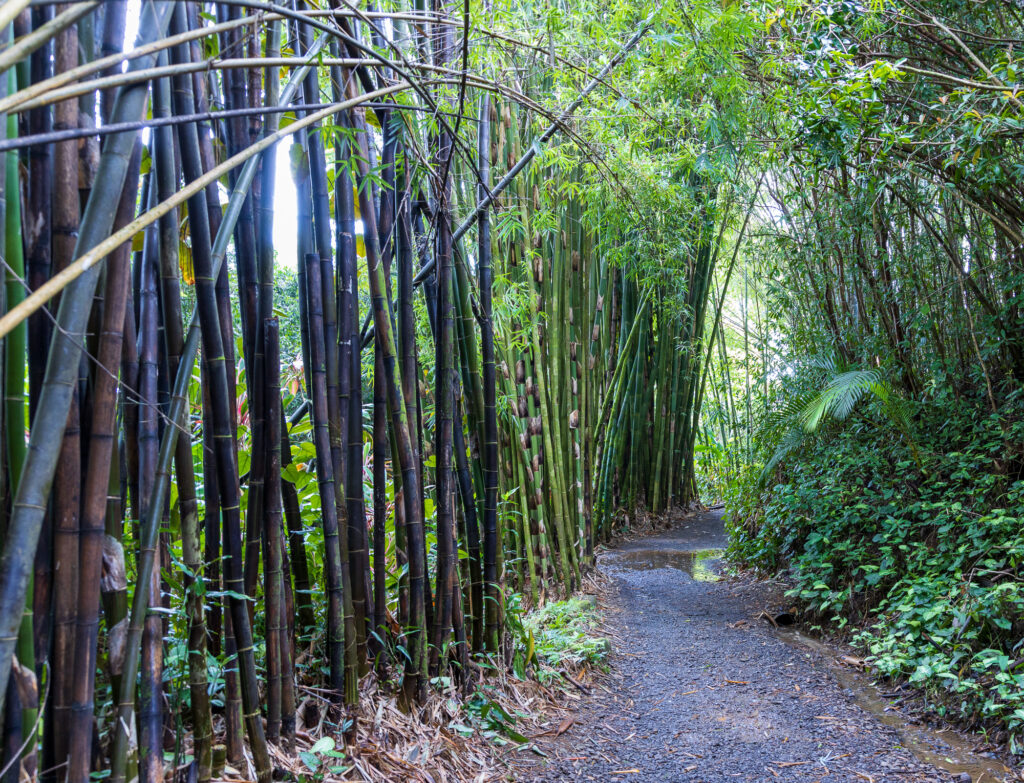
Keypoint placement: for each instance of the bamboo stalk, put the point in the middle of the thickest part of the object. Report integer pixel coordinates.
(380, 478)
(350, 409)
(42, 35)
(14, 418)
(443, 415)
(37, 211)
(170, 297)
(203, 264)
(406, 322)
(87, 261)
(414, 681)
(150, 709)
(490, 451)
(276, 635)
(62, 366)
(177, 408)
(325, 478)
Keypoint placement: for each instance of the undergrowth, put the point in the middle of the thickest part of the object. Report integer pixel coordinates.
(547, 643)
(558, 636)
(919, 566)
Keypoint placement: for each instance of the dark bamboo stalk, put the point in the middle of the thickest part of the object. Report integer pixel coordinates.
(255, 511)
(95, 489)
(67, 485)
(469, 529)
(276, 637)
(224, 431)
(62, 364)
(407, 361)
(444, 397)
(227, 475)
(170, 298)
(150, 712)
(211, 521)
(350, 385)
(38, 212)
(178, 407)
(325, 477)
(414, 682)
(380, 479)
(321, 244)
(114, 13)
(490, 452)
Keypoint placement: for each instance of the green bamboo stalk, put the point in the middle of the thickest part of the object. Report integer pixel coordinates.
(555, 489)
(575, 296)
(14, 388)
(548, 564)
(521, 479)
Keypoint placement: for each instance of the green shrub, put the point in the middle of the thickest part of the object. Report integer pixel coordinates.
(924, 564)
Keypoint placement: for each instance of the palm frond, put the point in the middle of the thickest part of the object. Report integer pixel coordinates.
(790, 442)
(839, 397)
(803, 413)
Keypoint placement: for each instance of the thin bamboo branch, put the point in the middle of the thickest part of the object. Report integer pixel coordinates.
(534, 148)
(211, 64)
(88, 260)
(42, 35)
(10, 10)
(62, 364)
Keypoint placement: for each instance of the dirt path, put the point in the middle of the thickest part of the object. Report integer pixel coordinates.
(702, 690)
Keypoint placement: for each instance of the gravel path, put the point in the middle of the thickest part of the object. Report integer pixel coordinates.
(702, 690)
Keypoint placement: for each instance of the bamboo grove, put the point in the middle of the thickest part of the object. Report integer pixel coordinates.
(883, 239)
(865, 416)
(215, 489)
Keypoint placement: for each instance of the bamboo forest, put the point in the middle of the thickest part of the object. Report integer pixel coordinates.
(403, 390)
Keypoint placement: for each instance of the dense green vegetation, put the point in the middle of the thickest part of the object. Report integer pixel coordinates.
(921, 567)
(866, 433)
(555, 265)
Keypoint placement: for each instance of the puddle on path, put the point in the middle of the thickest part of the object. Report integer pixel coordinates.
(699, 564)
(945, 750)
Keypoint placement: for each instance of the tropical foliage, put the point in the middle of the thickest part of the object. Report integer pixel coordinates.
(865, 431)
